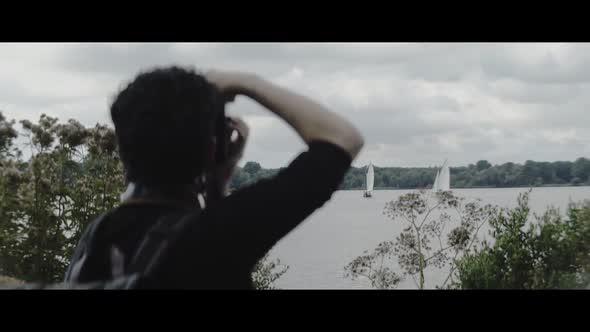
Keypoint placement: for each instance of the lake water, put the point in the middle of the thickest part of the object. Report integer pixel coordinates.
(349, 224)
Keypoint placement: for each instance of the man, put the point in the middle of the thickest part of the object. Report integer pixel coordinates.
(165, 123)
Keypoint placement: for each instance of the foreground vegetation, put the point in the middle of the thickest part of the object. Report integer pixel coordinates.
(525, 251)
(532, 252)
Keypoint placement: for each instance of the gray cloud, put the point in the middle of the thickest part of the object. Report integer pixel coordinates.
(416, 104)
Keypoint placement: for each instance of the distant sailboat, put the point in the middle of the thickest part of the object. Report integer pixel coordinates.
(442, 182)
(370, 181)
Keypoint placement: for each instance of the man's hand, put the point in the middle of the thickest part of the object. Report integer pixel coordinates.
(239, 132)
(230, 83)
(237, 141)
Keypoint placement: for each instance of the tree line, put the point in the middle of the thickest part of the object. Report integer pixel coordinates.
(480, 174)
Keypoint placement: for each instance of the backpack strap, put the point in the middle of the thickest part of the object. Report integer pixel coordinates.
(149, 253)
(158, 239)
(84, 251)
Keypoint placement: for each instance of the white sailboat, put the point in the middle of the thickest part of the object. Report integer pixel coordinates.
(442, 182)
(370, 179)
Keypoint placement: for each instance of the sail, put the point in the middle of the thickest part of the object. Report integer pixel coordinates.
(370, 178)
(435, 184)
(444, 182)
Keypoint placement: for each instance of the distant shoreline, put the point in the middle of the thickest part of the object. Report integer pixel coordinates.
(489, 187)
(479, 175)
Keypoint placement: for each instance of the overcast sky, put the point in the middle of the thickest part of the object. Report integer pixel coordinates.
(416, 104)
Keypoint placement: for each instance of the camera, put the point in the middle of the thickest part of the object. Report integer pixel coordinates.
(222, 129)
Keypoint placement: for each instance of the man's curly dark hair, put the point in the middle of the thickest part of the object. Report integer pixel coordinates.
(164, 123)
